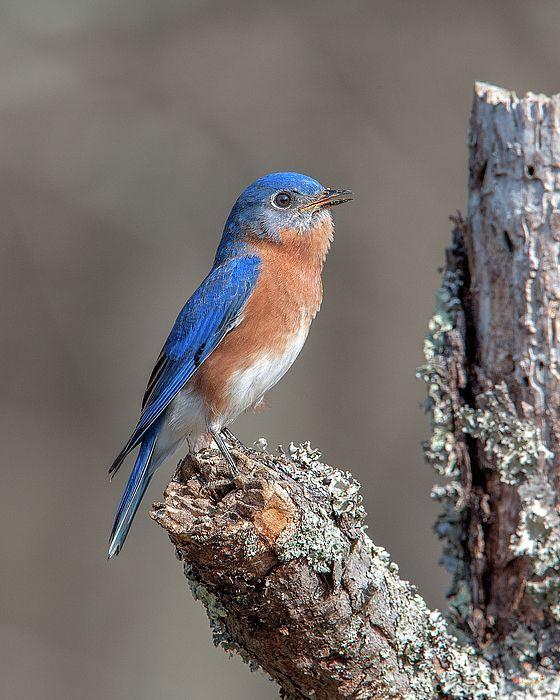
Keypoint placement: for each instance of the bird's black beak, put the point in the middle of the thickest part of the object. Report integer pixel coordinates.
(329, 198)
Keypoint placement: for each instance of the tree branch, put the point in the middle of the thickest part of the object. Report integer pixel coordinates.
(291, 581)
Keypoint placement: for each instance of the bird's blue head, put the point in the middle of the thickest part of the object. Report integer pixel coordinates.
(278, 202)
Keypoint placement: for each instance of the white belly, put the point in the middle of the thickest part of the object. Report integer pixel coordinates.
(187, 417)
(248, 386)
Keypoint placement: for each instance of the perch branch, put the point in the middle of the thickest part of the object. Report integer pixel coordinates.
(291, 581)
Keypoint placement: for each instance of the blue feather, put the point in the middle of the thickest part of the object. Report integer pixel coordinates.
(136, 486)
(205, 319)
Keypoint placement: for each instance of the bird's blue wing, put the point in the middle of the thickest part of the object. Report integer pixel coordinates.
(205, 319)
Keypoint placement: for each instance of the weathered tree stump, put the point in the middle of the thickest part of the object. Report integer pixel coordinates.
(280, 558)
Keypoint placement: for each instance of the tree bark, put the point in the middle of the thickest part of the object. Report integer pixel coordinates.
(280, 558)
(511, 305)
(291, 581)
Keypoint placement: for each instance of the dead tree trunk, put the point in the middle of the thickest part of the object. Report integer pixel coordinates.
(280, 559)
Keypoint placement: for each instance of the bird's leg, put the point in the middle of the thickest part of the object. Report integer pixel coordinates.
(236, 442)
(226, 432)
(220, 484)
(225, 451)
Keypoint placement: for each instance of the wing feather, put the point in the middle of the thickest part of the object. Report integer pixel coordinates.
(208, 315)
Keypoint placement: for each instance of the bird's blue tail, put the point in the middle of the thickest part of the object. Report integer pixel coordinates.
(136, 486)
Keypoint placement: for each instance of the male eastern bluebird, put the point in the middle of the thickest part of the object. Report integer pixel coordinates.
(239, 332)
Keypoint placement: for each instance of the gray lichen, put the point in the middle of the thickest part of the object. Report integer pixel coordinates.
(523, 677)
(217, 615)
(518, 451)
(514, 445)
(534, 685)
(344, 490)
(538, 537)
(354, 636)
(261, 444)
(317, 540)
(440, 449)
(443, 448)
(216, 612)
(434, 660)
(251, 545)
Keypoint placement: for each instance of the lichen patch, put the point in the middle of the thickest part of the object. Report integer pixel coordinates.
(513, 444)
(315, 539)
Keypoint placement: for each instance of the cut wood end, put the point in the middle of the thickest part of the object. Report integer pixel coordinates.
(493, 94)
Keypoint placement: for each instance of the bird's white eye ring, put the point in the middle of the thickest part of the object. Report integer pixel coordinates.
(282, 200)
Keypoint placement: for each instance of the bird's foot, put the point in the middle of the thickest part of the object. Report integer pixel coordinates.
(216, 436)
(218, 483)
(232, 438)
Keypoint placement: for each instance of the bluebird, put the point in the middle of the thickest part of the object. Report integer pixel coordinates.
(239, 332)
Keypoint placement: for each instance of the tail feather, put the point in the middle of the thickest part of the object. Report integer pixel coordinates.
(136, 486)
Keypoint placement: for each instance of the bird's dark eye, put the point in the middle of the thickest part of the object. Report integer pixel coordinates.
(282, 200)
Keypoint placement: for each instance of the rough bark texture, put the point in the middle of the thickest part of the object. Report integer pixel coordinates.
(512, 304)
(280, 558)
(291, 582)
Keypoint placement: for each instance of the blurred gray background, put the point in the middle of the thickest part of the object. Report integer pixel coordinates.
(127, 130)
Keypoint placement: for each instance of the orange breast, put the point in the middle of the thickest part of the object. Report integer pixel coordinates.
(286, 298)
